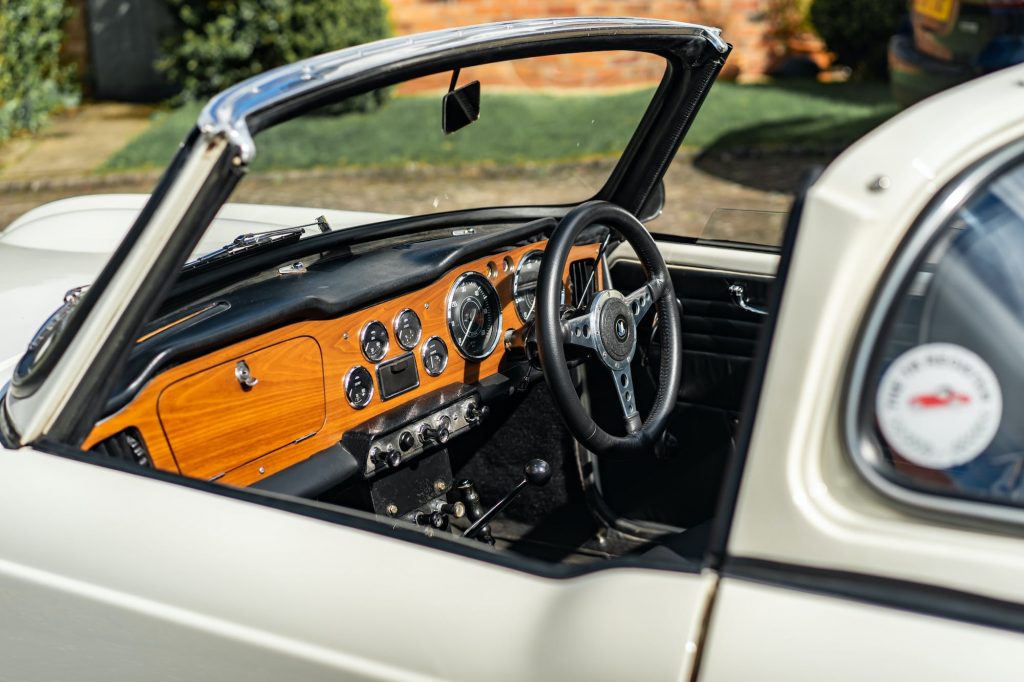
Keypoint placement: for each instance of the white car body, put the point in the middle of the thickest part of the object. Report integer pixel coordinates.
(107, 575)
(77, 236)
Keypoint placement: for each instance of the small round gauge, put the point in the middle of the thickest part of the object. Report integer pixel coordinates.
(358, 387)
(474, 316)
(373, 339)
(524, 286)
(435, 355)
(408, 329)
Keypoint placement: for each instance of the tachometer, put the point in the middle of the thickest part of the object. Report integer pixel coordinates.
(373, 339)
(524, 286)
(407, 329)
(474, 316)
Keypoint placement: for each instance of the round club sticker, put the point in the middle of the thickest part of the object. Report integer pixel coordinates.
(939, 405)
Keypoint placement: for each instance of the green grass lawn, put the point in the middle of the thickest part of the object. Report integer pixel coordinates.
(536, 128)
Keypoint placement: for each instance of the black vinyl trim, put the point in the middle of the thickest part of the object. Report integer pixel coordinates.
(315, 475)
(197, 280)
(893, 593)
(338, 515)
(729, 494)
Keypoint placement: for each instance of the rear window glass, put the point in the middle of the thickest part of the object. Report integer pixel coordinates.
(948, 371)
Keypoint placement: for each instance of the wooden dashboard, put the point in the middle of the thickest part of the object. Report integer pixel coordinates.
(199, 420)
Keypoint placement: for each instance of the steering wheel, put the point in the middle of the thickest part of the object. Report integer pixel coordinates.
(608, 329)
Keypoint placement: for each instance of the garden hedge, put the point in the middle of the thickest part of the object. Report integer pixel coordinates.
(224, 41)
(858, 32)
(32, 81)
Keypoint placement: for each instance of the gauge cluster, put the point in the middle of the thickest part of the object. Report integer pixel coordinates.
(473, 323)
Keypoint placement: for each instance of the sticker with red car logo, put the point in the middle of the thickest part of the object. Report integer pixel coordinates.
(939, 405)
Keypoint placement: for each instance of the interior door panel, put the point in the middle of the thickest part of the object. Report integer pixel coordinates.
(719, 342)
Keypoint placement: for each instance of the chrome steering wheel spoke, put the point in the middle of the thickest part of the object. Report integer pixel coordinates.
(641, 300)
(579, 331)
(627, 397)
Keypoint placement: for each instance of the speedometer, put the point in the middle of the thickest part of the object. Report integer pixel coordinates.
(474, 316)
(524, 286)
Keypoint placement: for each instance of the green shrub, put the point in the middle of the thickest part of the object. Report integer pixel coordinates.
(858, 31)
(222, 42)
(32, 81)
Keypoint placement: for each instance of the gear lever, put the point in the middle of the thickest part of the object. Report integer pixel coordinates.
(537, 473)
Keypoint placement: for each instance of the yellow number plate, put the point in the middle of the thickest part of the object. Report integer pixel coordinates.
(934, 9)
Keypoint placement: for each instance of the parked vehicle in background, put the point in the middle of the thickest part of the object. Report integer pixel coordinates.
(952, 41)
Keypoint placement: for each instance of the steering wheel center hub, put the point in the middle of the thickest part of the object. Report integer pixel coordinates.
(615, 327)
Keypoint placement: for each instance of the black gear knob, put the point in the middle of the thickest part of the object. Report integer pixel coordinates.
(537, 472)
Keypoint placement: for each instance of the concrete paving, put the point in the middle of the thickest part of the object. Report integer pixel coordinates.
(74, 144)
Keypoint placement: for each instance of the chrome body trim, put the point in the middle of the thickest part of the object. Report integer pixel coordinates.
(227, 113)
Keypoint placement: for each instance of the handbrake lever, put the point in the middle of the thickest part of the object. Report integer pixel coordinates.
(537, 473)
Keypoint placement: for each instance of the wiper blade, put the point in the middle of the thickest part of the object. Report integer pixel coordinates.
(252, 241)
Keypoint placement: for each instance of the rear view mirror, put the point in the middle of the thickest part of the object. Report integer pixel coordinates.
(460, 107)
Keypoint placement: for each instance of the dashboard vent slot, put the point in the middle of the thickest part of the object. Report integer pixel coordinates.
(580, 274)
(127, 446)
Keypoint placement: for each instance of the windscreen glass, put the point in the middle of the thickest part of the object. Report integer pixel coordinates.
(549, 130)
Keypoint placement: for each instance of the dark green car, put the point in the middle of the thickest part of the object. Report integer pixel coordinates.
(951, 41)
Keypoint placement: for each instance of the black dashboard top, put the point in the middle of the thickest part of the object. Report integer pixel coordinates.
(330, 285)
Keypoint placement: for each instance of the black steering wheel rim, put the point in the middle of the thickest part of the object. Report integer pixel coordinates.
(601, 329)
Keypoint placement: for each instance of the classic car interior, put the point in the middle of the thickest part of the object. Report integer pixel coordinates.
(375, 383)
(552, 381)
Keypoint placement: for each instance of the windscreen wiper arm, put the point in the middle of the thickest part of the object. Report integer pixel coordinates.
(252, 241)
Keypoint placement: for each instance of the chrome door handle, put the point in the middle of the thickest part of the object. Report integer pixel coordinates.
(739, 297)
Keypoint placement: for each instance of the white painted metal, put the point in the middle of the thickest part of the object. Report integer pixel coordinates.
(801, 500)
(109, 576)
(66, 243)
(774, 635)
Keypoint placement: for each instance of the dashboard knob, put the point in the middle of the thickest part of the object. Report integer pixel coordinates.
(391, 458)
(406, 441)
(476, 413)
(429, 435)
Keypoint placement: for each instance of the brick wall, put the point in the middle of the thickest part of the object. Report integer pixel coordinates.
(744, 23)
